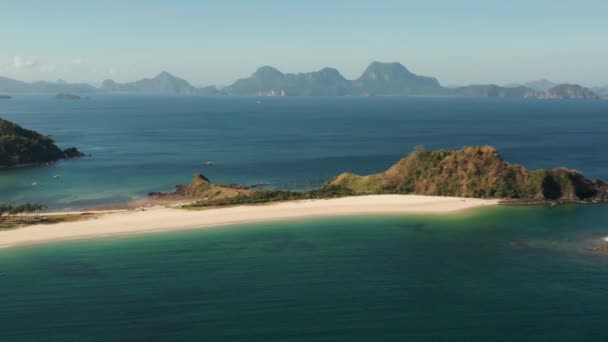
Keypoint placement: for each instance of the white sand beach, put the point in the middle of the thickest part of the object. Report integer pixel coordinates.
(166, 218)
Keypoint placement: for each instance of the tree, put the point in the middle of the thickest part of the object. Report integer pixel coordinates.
(38, 207)
(5, 209)
(17, 210)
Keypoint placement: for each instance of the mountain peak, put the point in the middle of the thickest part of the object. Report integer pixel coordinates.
(267, 72)
(164, 74)
(383, 72)
(163, 83)
(330, 74)
(393, 79)
(391, 67)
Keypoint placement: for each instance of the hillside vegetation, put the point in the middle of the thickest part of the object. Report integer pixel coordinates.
(477, 172)
(473, 172)
(20, 146)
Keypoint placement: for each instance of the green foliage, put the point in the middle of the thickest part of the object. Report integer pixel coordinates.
(471, 172)
(266, 196)
(20, 146)
(21, 209)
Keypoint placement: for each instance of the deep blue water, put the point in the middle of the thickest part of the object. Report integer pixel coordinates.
(143, 143)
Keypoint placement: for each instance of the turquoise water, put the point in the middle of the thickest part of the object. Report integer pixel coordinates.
(500, 274)
(142, 144)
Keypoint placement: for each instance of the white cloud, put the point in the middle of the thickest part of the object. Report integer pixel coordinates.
(77, 61)
(24, 62)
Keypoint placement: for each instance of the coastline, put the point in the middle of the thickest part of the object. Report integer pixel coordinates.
(159, 219)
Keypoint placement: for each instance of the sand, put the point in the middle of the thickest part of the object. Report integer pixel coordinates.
(167, 218)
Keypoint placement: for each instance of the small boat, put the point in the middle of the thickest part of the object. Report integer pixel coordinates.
(34, 184)
(56, 176)
(208, 163)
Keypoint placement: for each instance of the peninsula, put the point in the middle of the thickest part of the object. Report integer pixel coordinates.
(471, 172)
(23, 147)
(428, 182)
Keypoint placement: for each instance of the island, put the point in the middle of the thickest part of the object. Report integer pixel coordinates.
(23, 147)
(470, 172)
(162, 84)
(378, 79)
(5, 97)
(478, 172)
(64, 96)
(566, 91)
(430, 182)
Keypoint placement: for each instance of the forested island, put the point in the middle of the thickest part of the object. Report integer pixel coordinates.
(23, 147)
(474, 172)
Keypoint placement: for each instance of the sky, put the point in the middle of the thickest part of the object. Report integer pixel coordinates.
(216, 42)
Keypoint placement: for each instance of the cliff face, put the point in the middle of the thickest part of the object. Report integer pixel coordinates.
(566, 91)
(199, 186)
(20, 146)
(474, 172)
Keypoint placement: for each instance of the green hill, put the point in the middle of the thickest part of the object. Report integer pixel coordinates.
(473, 172)
(477, 172)
(20, 146)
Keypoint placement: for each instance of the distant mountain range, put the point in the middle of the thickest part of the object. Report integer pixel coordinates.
(8, 85)
(379, 79)
(538, 85)
(163, 83)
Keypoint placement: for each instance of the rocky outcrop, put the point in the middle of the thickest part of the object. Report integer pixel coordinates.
(202, 187)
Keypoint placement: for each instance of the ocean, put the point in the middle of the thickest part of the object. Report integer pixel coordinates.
(141, 144)
(494, 274)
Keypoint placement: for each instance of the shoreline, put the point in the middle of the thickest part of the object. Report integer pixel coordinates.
(158, 219)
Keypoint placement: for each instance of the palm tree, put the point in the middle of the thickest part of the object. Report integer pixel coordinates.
(38, 207)
(5, 209)
(17, 210)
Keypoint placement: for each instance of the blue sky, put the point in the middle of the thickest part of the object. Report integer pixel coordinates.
(216, 42)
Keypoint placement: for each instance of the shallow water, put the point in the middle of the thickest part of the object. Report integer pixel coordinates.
(142, 144)
(494, 274)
